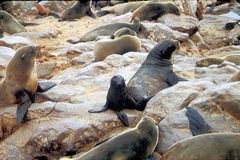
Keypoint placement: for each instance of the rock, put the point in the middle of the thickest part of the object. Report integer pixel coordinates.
(57, 6)
(213, 32)
(224, 51)
(200, 43)
(219, 74)
(189, 47)
(86, 58)
(182, 23)
(183, 92)
(14, 41)
(111, 18)
(6, 55)
(74, 50)
(33, 35)
(210, 146)
(64, 132)
(158, 32)
(220, 107)
(45, 69)
(147, 44)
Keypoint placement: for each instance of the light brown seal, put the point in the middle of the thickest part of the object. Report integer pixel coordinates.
(121, 45)
(9, 24)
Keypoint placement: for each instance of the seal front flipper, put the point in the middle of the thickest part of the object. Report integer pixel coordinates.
(23, 105)
(123, 117)
(100, 110)
(173, 79)
(197, 123)
(44, 86)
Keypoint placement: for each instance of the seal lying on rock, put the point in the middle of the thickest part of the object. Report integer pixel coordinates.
(78, 10)
(214, 146)
(107, 30)
(20, 84)
(155, 74)
(152, 11)
(134, 144)
(9, 24)
(120, 9)
(119, 99)
(120, 45)
(205, 62)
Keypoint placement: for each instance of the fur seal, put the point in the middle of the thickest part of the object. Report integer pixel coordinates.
(121, 45)
(205, 62)
(20, 84)
(120, 9)
(118, 99)
(98, 4)
(231, 25)
(214, 146)
(123, 31)
(155, 74)
(134, 144)
(10, 24)
(78, 10)
(107, 30)
(152, 11)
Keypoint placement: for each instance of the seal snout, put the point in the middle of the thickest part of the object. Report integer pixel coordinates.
(34, 49)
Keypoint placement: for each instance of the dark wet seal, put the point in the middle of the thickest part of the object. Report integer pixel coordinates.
(231, 25)
(197, 123)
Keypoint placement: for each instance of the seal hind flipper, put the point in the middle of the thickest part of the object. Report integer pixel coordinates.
(197, 123)
(123, 117)
(103, 13)
(103, 109)
(44, 86)
(23, 105)
(90, 13)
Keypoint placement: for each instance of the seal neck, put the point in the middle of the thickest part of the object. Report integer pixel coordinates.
(158, 62)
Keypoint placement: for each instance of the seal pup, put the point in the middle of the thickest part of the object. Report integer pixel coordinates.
(121, 45)
(78, 10)
(120, 9)
(21, 83)
(155, 74)
(122, 32)
(107, 30)
(134, 144)
(9, 24)
(119, 99)
(152, 11)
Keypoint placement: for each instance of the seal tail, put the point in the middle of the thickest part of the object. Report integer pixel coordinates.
(103, 13)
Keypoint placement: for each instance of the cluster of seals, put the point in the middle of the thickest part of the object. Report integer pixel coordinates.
(134, 144)
(118, 99)
(121, 8)
(21, 82)
(9, 24)
(205, 62)
(152, 11)
(214, 146)
(155, 74)
(78, 10)
(121, 44)
(107, 30)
